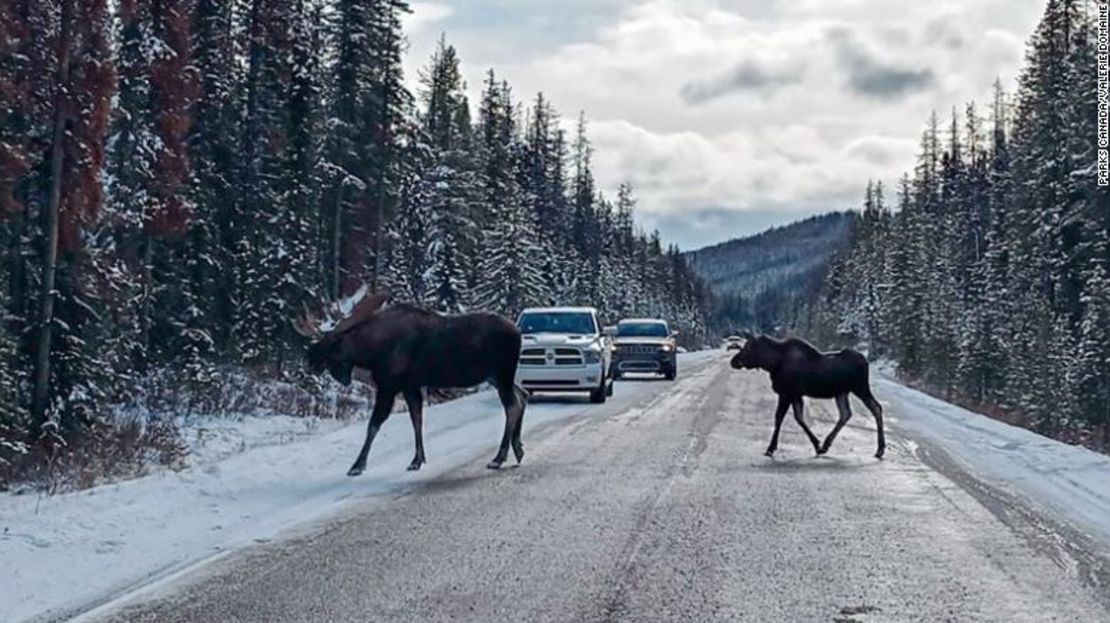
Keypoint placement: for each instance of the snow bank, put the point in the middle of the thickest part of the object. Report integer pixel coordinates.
(1070, 481)
(248, 480)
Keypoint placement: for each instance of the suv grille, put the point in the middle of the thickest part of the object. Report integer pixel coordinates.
(639, 349)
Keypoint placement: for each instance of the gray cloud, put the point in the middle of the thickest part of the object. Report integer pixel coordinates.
(748, 75)
(947, 31)
(872, 78)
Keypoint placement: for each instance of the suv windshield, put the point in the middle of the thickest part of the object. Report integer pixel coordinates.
(577, 323)
(642, 329)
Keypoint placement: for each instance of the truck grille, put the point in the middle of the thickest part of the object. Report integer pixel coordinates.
(533, 357)
(568, 357)
(551, 357)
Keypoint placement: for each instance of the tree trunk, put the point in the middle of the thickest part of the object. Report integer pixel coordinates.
(379, 224)
(41, 392)
(146, 310)
(335, 272)
(1106, 430)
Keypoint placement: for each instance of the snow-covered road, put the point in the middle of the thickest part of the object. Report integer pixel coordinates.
(656, 506)
(1068, 484)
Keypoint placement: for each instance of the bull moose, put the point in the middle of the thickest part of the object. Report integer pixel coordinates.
(407, 349)
(799, 370)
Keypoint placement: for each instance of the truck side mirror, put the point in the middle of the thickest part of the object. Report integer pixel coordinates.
(610, 331)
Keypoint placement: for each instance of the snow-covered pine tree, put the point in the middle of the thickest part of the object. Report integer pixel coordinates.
(584, 224)
(150, 168)
(24, 125)
(996, 305)
(508, 276)
(1092, 370)
(299, 218)
(509, 271)
(259, 251)
(409, 266)
(608, 277)
(1040, 170)
(974, 328)
(214, 143)
(70, 382)
(450, 185)
(370, 104)
(13, 409)
(450, 199)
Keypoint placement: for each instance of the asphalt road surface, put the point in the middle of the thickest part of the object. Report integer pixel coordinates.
(662, 508)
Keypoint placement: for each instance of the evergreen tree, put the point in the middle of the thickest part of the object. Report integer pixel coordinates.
(217, 225)
(449, 189)
(369, 107)
(66, 387)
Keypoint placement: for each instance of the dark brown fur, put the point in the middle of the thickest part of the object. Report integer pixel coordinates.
(407, 350)
(799, 370)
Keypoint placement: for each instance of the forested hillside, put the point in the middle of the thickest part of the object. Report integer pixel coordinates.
(177, 178)
(990, 280)
(766, 281)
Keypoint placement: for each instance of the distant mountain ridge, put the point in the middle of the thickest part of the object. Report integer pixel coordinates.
(764, 281)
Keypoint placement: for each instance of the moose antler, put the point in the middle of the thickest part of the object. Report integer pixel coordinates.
(306, 324)
(335, 320)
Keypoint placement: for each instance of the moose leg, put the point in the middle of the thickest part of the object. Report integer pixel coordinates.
(383, 405)
(514, 410)
(799, 409)
(780, 413)
(522, 404)
(876, 410)
(414, 398)
(845, 415)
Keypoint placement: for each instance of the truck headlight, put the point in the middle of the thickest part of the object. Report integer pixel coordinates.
(591, 356)
(667, 348)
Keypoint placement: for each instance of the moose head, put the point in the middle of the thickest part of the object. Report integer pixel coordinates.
(333, 345)
(758, 352)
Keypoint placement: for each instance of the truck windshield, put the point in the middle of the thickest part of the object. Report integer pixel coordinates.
(576, 323)
(642, 329)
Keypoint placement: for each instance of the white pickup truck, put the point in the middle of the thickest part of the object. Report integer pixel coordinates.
(564, 350)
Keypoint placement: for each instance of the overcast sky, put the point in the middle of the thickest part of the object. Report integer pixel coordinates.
(730, 116)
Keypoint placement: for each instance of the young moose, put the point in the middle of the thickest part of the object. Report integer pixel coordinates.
(799, 370)
(407, 349)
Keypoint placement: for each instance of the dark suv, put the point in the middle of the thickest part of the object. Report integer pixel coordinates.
(644, 345)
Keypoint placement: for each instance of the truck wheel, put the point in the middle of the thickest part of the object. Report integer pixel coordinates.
(598, 395)
(672, 374)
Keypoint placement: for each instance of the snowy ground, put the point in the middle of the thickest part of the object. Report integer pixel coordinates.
(249, 480)
(1070, 482)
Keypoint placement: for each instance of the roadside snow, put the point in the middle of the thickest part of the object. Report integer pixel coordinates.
(1069, 481)
(248, 480)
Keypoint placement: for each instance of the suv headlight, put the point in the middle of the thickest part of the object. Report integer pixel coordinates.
(667, 348)
(591, 356)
